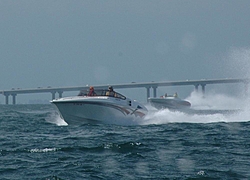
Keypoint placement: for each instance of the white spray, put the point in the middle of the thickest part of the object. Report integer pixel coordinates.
(238, 65)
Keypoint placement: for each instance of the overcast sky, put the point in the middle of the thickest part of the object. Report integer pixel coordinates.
(77, 42)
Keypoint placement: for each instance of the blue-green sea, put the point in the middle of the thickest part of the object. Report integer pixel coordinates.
(35, 143)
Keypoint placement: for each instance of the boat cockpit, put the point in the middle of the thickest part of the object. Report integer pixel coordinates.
(101, 92)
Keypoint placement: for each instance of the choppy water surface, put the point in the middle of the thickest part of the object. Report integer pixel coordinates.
(36, 144)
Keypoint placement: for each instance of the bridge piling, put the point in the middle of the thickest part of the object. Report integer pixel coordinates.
(148, 92)
(203, 89)
(13, 98)
(53, 95)
(196, 86)
(6, 99)
(154, 91)
(60, 94)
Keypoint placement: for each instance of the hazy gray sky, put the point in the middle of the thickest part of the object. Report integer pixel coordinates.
(78, 42)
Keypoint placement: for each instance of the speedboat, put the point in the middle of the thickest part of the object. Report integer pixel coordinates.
(169, 102)
(98, 108)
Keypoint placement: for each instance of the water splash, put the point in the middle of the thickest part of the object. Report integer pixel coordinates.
(212, 108)
(217, 101)
(55, 118)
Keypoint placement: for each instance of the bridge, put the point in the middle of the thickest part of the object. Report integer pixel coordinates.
(147, 85)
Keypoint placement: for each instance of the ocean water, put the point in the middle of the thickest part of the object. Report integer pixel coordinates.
(36, 144)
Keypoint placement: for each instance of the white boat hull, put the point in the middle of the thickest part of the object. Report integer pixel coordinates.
(99, 109)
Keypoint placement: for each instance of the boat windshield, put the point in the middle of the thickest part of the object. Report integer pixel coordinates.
(101, 92)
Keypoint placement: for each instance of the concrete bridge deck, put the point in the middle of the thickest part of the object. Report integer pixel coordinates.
(147, 85)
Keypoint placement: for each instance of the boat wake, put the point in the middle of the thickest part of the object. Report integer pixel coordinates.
(166, 116)
(211, 109)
